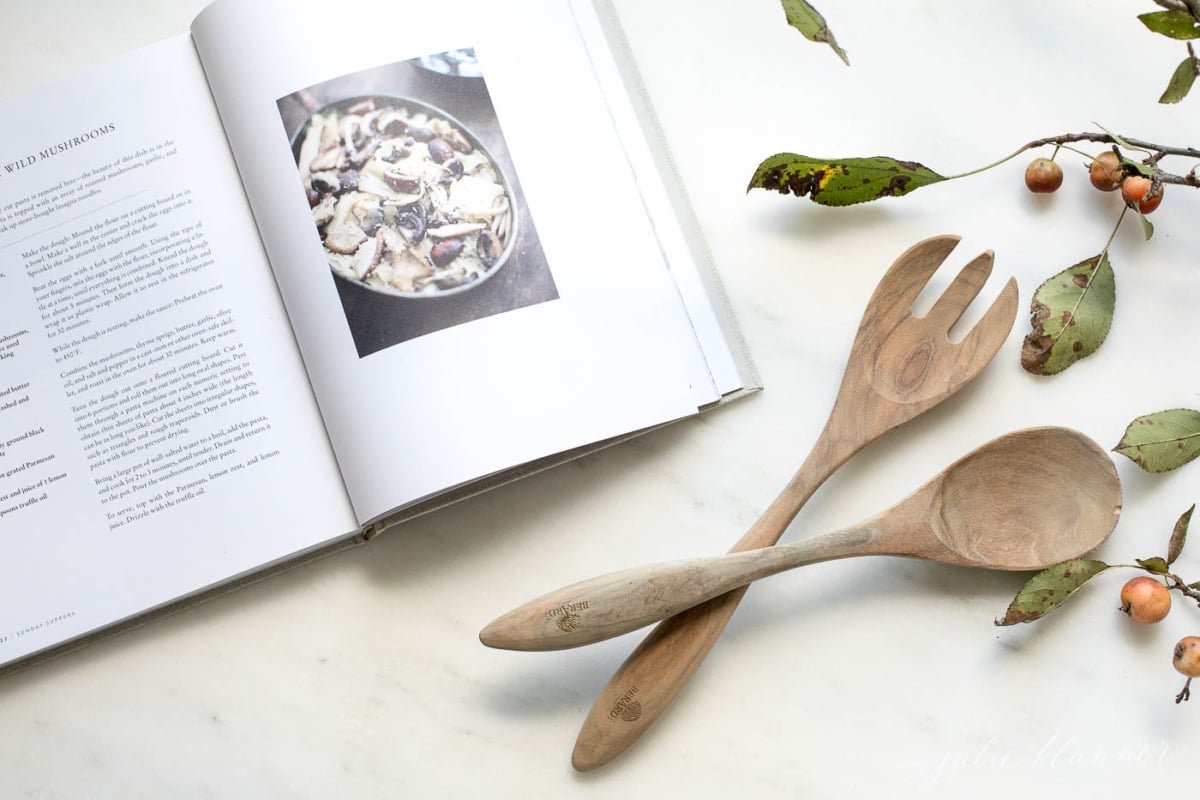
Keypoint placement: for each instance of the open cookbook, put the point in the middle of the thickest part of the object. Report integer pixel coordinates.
(271, 286)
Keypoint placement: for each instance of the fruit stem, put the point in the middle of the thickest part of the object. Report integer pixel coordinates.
(986, 167)
(1113, 235)
(1076, 151)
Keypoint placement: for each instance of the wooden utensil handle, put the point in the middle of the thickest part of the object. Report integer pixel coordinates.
(899, 367)
(619, 602)
(649, 680)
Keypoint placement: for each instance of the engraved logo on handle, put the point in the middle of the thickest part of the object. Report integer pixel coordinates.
(565, 618)
(626, 708)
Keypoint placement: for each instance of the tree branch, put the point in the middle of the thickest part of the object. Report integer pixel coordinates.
(1184, 588)
(1172, 5)
(1157, 151)
(1190, 6)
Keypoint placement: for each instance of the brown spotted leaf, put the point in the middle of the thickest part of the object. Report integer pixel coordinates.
(841, 181)
(1049, 589)
(1175, 24)
(1179, 535)
(1162, 441)
(1181, 80)
(806, 19)
(1070, 316)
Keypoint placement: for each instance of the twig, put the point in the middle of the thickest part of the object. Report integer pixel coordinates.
(1183, 587)
(1162, 150)
(1157, 151)
(1190, 6)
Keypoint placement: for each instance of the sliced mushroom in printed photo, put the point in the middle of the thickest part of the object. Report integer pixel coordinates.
(405, 199)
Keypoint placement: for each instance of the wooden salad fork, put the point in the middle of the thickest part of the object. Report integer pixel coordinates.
(899, 366)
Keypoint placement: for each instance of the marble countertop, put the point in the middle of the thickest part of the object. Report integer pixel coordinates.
(361, 675)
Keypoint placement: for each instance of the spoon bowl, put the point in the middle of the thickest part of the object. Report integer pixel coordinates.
(1023, 501)
(1026, 500)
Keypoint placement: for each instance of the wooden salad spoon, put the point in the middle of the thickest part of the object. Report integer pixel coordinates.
(1021, 502)
(899, 366)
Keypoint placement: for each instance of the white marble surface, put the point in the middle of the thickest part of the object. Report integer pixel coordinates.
(361, 676)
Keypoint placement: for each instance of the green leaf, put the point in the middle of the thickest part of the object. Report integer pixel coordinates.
(841, 182)
(1156, 565)
(1145, 169)
(1139, 167)
(1071, 315)
(1049, 589)
(1147, 225)
(1181, 80)
(806, 19)
(1179, 535)
(1175, 24)
(1162, 441)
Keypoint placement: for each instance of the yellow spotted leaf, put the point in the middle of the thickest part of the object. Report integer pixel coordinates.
(841, 181)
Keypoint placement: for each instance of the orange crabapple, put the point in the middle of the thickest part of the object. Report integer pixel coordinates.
(1105, 171)
(1186, 661)
(1141, 192)
(1145, 599)
(1043, 176)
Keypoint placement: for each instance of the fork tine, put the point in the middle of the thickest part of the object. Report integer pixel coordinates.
(989, 333)
(961, 291)
(907, 276)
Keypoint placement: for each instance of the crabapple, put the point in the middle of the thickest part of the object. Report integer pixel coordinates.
(1105, 172)
(1043, 175)
(1187, 662)
(1141, 192)
(1145, 600)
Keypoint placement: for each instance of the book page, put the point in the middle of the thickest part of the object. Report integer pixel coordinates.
(726, 360)
(471, 272)
(157, 434)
